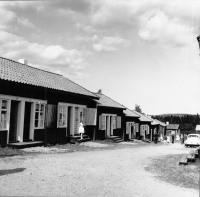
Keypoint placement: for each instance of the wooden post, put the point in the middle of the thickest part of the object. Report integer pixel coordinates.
(45, 137)
(94, 135)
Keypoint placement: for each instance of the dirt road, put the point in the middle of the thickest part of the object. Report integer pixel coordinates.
(109, 173)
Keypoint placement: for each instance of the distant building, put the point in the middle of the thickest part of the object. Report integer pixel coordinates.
(197, 129)
(173, 129)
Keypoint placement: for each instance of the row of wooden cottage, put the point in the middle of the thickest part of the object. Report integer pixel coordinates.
(44, 107)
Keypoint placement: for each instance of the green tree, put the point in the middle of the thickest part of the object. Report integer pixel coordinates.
(138, 108)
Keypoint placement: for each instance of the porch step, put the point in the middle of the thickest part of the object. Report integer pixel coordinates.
(148, 141)
(115, 139)
(27, 140)
(83, 140)
(13, 141)
(19, 145)
(77, 138)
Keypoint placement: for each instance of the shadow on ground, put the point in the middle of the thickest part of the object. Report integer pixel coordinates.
(11, 171)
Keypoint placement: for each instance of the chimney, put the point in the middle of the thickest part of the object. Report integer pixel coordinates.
(99, 91)
(23, 61)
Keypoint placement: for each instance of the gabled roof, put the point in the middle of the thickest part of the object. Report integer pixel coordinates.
(198, 128)
(143, 118)
(173, 126)
(155, 122)
(21, 73)
(105, 101)
(161, 123)
(130, 113)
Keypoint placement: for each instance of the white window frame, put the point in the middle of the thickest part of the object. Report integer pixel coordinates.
(64, 109)
(39, 117)
(69, 105)
(104, 116)
(7, 112)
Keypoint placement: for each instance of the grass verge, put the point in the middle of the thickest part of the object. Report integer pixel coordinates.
(10, 152)
(167, 169)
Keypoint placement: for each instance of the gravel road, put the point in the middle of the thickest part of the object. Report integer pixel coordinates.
(111, 173)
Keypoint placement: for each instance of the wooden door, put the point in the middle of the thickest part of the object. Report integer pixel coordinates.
(27, 117)
(68, 120)
(13, 121)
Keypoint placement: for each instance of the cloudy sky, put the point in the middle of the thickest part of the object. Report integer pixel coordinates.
(137, 52)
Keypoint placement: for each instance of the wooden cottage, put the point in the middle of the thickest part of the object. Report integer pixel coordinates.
(109, 118)
(131, 125)
(173, 129)
(197, 129)
(161, 129)
(37, 105)
(144, 127)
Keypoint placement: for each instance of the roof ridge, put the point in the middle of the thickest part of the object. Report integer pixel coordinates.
(31, 66)
(111, 99)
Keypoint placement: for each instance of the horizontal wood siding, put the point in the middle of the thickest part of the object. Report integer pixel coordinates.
(3, 138)
(56, 135)
(39, 134)
(51, 116)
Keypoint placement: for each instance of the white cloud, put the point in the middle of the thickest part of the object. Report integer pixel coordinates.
(15, 47)
(25, 22)
(156, 26)
(85, 28)
(109, 43)
(6, 19)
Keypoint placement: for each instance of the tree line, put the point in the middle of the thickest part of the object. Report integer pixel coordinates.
(187, 122)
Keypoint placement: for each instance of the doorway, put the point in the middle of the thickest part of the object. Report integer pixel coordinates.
(68, 120)
(13, 120)
(27, 118)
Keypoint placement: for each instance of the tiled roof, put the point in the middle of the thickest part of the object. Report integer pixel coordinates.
(155, 122)
(143, 118)
(108, 102)
(161, 123)
(173, 126)
(130, 113)
(21, 73)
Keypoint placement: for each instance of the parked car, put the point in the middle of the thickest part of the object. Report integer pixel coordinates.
(193, 140)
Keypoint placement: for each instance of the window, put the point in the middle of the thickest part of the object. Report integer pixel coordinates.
(3, 113)
(114, 122)
(62, 116)
(39, 115)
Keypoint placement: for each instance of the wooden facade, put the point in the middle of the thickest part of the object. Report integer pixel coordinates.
(31, 112)
(109, 122)
(131, 125)
(22, 116)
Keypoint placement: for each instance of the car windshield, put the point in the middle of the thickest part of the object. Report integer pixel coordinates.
(193, 136)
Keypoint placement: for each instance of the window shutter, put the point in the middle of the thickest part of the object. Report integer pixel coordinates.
(118, 122)
(114, 122)
(100, 122)
(51, 116)
(147, 130)
(136, 127)
(127, 128)
(84, 115)
(141, 130)
(90, 114)
(103, 125)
